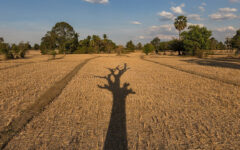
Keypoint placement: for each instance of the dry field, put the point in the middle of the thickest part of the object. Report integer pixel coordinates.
(120, 102)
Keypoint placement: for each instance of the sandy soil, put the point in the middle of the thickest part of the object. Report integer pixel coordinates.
(146, 105)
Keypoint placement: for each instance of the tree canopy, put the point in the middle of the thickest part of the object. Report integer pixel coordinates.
(130, 46)
(180, 24)
(62, 36)
(156, 43)
(196, 38)
(1, 39)
(14, 51)
(94, 44)
(148, 48)
(236, 40)
(139, 46)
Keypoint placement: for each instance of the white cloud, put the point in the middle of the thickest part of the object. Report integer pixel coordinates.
(141, 37)
(136, 22)
(227, 10)
(194, 24)
(204, 4)
(223, 32)
(164, 32)
(178, 9)
(166, 15)
(223, 16)
(234, 1)
(224, 29)
(201, 8)
(166, 27)
(194, 17)
(172, 15)
(166, 37)
(97, 1)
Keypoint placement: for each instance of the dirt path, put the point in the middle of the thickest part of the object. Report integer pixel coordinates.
(27, 115)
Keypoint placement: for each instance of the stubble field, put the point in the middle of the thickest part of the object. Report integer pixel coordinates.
(120, 102)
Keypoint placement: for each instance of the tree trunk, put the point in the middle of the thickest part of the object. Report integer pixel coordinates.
(179, 35)
(179, 38)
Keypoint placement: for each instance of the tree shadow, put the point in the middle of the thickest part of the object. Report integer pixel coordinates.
(228, 59)
(214, 63)
(116, 137)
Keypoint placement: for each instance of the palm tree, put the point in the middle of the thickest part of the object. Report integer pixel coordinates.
(180, 24)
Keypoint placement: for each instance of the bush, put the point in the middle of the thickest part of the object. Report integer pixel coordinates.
(23, 47)
(5, 50)
(148, 48)
(177, 45)
(130, 46)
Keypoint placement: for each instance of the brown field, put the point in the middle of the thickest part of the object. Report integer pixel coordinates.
(88, 102)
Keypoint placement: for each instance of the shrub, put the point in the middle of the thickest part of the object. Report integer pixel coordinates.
(130, 46)
(22, 48)
(148, 48)
(5, 50)
(177, 45)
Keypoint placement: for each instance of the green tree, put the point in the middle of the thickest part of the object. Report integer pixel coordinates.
(108, 45)
(104, 44)
(196, 38)
(148, 48)
(228, 43)
(5, 49)
(176, 44)
(139, 46)
(213, 44)
(48, 42)
(221, 46)
(71, 45)
(1, 39)
(235, 42)
(180, 24)
(36, 46)
(164, 46)
(130, 46)
(64, 33)
(62, 36)
(105, 36)
(156, 43)
(94, 44)
(15, 50)
(23, 48)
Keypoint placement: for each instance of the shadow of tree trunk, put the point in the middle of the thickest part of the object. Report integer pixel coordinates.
(117, 133)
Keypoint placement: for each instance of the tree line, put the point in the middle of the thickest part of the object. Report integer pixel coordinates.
(13, 51)
(64, 38)
(196, 41)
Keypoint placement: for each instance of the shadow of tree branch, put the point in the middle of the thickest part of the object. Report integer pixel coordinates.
(117, 134)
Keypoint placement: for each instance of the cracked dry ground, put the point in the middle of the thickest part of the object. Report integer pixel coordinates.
(166, 109)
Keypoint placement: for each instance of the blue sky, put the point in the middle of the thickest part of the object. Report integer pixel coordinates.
(122, 20)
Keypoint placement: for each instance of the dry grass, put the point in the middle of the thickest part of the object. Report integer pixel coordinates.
(22, 85)
(225, 69)
(171, 109)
